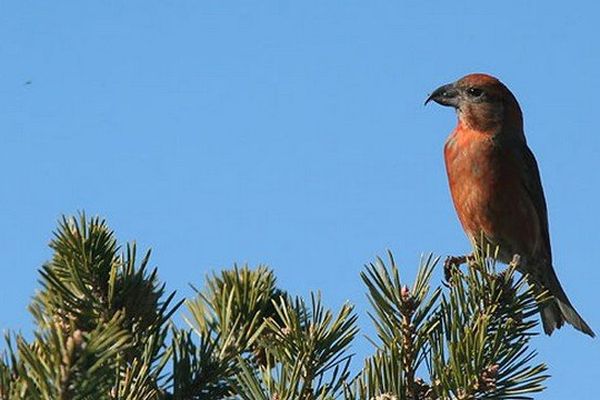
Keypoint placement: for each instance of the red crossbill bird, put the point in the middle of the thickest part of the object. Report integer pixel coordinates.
(496, 187)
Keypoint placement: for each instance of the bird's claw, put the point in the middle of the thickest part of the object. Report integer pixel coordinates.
(451, 265)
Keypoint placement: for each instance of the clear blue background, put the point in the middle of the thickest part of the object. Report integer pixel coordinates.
(288, 133)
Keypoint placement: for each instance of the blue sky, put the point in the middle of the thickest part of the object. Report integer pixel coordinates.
(288, 133)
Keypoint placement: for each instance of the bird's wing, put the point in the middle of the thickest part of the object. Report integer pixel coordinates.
(532, 182)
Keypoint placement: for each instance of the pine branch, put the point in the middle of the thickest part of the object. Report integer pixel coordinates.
(198, 370)
(403, 321)
(473, 339)
(483, 349)
(308, 356)
(227, 318)
(100, 316)
(103, 323)
(62, 365)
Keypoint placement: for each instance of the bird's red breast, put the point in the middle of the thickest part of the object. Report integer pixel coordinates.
(488, 193)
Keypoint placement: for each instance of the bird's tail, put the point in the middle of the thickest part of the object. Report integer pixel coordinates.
(559, 309)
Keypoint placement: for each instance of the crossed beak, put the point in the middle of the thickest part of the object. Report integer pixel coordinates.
(446, 95)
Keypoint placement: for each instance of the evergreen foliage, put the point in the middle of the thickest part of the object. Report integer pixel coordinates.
(104, 330)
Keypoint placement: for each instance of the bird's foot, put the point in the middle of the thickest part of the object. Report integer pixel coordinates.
(452, 265)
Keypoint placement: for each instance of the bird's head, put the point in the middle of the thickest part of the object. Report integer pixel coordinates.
(482, 103)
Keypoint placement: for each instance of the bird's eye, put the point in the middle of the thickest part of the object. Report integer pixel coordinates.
(474, 92)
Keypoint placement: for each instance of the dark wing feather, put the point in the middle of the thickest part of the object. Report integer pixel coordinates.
(555, 313)
(533, 185)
